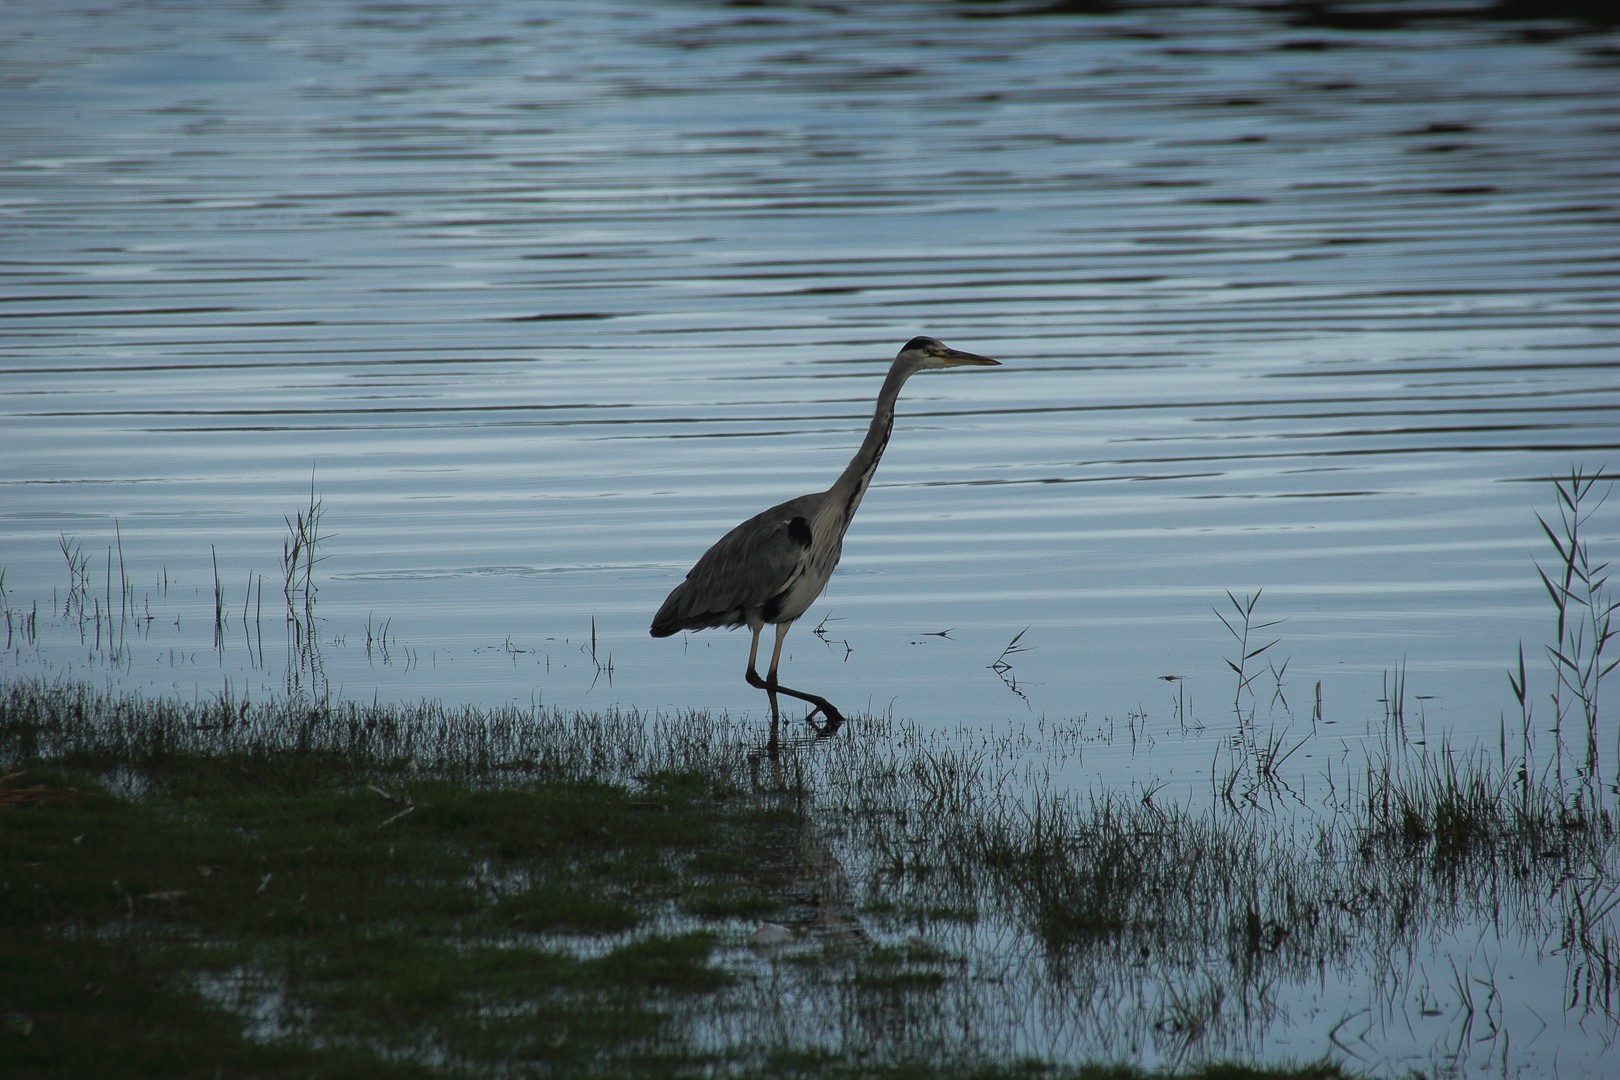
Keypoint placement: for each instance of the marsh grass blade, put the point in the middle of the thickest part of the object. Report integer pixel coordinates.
(1242, 626)
(1000, 666)
(298, 551)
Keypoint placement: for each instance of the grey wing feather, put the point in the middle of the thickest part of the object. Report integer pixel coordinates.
(743, 571)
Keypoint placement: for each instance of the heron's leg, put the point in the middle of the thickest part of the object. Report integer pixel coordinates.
(835, 719)
(752, 675)
(776, 653)
(770, 674)
(772, 687)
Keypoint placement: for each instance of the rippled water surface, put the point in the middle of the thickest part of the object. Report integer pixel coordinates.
(541, 299)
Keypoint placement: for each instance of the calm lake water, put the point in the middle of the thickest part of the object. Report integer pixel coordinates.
(541, 299)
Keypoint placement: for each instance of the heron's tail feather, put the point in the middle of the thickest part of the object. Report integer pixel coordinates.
(668, 620)
(675, 615)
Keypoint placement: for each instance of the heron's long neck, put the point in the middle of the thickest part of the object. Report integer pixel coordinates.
(846, 493)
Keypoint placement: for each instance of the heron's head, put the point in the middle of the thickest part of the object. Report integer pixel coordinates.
(927, 352)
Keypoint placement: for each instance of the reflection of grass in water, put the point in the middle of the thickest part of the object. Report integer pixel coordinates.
(1127, 870)
(1173, 926)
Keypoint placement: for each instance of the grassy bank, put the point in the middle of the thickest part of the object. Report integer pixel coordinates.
(220, 889)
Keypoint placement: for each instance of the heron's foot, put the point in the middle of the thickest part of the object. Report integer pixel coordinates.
(818, 704)
(835, 719)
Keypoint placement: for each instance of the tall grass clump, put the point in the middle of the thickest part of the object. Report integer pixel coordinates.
(1577, 584)
(1451, 806)
(78, 567)
(298, 553)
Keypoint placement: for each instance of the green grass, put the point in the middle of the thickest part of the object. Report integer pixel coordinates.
(222, 889)
(369, 919)
(275, 890)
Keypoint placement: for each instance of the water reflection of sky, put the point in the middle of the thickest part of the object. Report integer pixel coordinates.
(1309, 311)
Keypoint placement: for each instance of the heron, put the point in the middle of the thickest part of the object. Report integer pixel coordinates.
(772, 567)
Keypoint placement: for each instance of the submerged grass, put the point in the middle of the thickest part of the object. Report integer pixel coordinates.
(1152, 923)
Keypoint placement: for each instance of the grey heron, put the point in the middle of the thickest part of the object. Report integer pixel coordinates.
(772, 567)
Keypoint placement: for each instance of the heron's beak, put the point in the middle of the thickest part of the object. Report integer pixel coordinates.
(956, 358)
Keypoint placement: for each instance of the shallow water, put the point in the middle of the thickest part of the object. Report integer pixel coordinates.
(542, 300)
(542, 306)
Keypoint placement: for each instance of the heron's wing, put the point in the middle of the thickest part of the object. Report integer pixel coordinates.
(744, 569)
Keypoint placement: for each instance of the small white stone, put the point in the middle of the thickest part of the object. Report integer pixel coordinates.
(769, 936)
